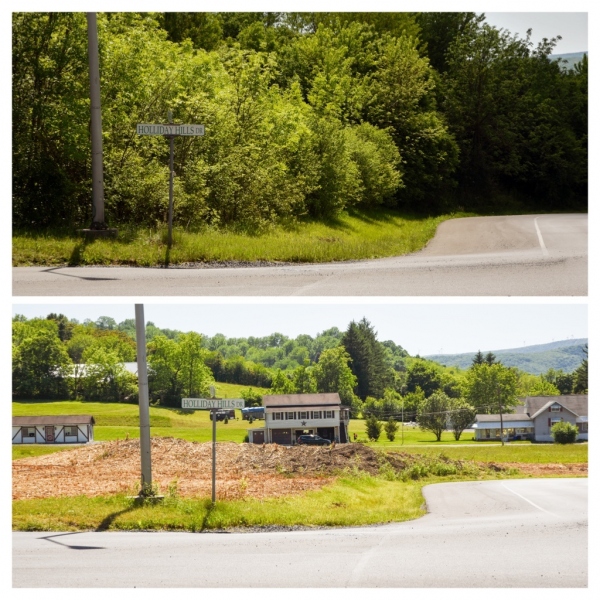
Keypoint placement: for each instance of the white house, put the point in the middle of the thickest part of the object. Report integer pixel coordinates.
(291, 415)
(56, 429)
(534, 417)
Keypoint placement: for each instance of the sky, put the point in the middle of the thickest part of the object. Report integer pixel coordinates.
(424, 328)
(571, 26)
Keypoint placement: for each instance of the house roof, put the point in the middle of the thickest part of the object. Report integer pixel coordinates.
(576, 403)
(53, 420)
(505, 418)
(290, 400)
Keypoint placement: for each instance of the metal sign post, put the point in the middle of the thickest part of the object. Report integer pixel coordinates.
(213, 404)
(170, 131)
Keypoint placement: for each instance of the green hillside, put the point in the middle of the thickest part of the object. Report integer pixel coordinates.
(565, 355)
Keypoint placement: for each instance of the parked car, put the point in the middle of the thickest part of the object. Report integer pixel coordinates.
(223, 414)
(312, 440)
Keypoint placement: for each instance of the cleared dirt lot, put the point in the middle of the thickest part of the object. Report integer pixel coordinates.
(243, 470)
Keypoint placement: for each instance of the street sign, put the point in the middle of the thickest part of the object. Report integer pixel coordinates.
(211, 403)
(170, 129)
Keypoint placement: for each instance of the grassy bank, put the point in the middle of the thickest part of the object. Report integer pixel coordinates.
(350, 501)
(356, 235)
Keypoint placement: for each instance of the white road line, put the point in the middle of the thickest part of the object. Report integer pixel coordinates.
(542, 245)
(530, 502)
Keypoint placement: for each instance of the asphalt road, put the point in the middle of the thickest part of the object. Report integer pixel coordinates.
(510, 534)
(527, 255)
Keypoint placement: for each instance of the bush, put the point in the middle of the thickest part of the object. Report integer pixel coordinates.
(564, 433)
(373, 427)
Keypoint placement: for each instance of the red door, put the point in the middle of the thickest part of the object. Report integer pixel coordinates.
(49, 433)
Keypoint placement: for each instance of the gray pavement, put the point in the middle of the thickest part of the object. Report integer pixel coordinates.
(527, 255)
(494, 534)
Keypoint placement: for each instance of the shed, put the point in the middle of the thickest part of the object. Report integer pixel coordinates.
(53, 429)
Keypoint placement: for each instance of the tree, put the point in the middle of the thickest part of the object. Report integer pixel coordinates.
(433, 414)
(369, 359)
(104, 378)
(391, 428)
(40, 363)
(333, 374)
(478, 359)
(490, 359)
(177, 369)
(461, 417)
(424, 375)
(580, 385)
(487, 388)
(373, 428)
(282, 384)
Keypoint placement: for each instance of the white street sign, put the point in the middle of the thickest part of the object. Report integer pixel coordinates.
(206, 403)
(154, 129)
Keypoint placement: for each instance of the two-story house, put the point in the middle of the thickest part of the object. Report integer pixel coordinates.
(288, 416)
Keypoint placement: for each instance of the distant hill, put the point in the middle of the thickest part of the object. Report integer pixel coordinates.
(571, 58)
(565, 354)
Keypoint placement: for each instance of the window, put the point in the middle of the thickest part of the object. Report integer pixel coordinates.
(555, 408)
(303, 414)
(328, 414)
(277, 416)
(290, 415)
(316, 414)
(70, 430)
(28, 432)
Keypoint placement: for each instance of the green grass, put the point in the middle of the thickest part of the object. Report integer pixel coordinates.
(356, 235)
(119, 421)
(350, 501)
(510, 453)
(27, 450)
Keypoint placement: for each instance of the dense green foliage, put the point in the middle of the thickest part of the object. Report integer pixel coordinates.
(61, 358)
(305, 114)
(564, 433)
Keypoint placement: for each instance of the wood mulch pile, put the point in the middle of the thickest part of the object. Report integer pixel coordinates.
(243, 470)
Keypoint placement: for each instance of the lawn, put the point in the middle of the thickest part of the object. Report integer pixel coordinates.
(120, 421)
(354, 235)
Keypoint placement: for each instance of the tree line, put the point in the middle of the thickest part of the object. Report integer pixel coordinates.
(58, 358)
(306, 115)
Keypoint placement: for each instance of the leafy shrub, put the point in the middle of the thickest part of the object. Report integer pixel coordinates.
(373, 428)
(564, 433)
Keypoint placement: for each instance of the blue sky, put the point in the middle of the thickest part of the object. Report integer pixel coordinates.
(424, 328)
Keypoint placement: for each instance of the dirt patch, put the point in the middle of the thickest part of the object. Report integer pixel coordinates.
(243, 470)
(545, 470)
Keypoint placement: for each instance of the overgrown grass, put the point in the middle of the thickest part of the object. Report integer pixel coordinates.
(347, 502)
(355, 235)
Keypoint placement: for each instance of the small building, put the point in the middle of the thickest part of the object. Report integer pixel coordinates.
(288, 416)
(54, 429)
(534, 417)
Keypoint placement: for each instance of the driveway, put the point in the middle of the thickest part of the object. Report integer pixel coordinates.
(526, 255)
(528, 533)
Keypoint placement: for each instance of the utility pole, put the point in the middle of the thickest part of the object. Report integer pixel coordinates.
(144, 403)
(98, 226)
(501, 422)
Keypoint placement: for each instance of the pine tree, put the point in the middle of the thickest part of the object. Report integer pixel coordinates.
(369, 360)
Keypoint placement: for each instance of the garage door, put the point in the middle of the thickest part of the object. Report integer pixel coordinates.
(282, 436)
(258, 437)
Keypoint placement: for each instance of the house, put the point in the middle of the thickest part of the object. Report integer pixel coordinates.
(55, 429)
(288, 416)
(534, 417)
